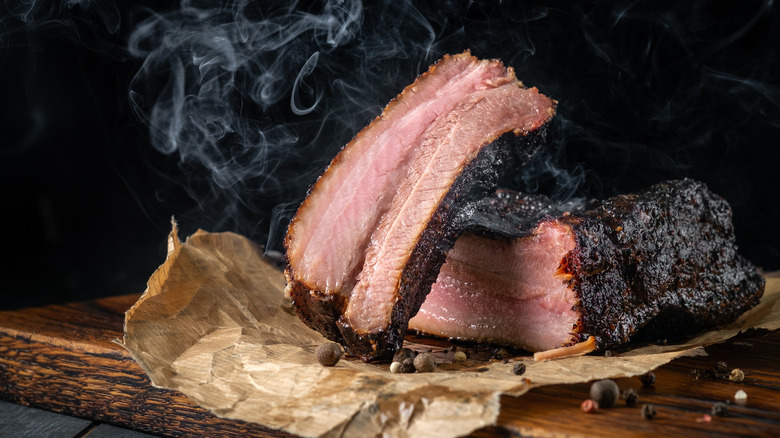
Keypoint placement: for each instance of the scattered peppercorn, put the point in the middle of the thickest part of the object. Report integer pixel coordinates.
(608, 353)
(403, 353)
(605, 392)
(630, 396)
(500, 353)
(647, 379)
(737, 375)
(407, 366)
(589, 406)
(424, 363)
(395, 367)
(721, 370)
(459, 356)
(648, 411)
(518, 369)
(720, 409)
(328, 354)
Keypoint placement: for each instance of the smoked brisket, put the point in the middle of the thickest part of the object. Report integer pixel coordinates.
(659, 264)
(369, 239)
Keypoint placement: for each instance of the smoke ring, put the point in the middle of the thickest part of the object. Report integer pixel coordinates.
(306, 70)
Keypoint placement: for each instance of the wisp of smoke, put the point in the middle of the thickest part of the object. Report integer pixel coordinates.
(252, 99)
(257, 98)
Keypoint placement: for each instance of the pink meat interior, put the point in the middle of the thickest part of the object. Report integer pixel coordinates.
(504, 292)
(365, 213)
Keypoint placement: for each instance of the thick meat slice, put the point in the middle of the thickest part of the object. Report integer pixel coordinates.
(660, 264)
(369, 239)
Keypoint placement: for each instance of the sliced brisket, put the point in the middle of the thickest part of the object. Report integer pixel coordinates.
(659, 264)
(369, 239)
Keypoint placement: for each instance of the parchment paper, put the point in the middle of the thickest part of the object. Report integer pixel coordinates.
(214, 324)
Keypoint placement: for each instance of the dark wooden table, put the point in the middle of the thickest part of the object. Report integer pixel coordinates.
(19, 421)
(63, 360)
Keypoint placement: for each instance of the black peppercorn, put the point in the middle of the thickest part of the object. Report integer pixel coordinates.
(648, 411)
(630, 396)
(647, 379)
(605, 392)
(720, 409)
(518, 369)
(721, 370)
(402, 354)
(407, 366)
(500, 353)
(328, 354)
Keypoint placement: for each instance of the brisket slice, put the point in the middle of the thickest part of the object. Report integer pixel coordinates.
(368, 241)
(659, 264)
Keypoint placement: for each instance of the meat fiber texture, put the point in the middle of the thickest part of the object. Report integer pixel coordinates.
(369, 239)
(660, 264)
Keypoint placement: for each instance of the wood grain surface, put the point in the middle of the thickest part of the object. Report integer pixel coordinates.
(65, 359)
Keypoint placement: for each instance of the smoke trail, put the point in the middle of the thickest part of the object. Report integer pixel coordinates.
(245, 102)
(258, 99)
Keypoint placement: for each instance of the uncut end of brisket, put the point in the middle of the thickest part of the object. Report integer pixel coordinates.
(369, 239)
(660, 264)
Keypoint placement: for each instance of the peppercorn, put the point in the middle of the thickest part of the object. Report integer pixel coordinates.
(328, 354)
(720, 409)
(647, 379)
(589, 406)
(459, 356)
(395, 367)
(648, 411)
(605, 392)
(424, 363)
(630, 396)
(407, 366)
(721, 370)
(737, 375)
(518, 369)
(500, 353)
(403, 353)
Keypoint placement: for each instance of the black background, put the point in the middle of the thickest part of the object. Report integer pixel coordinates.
(645, 93)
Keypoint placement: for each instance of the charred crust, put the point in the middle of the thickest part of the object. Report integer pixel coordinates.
(659, 264)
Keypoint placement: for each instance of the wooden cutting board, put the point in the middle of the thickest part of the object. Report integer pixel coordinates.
(64, 358)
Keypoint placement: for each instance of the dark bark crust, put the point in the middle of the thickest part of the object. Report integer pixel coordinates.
(662, 262)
